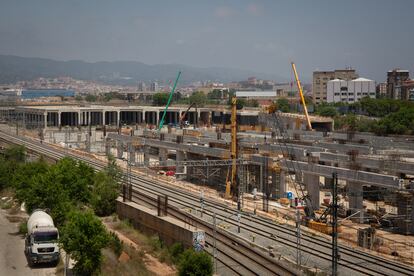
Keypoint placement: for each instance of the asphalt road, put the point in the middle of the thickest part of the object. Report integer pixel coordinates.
(12, 258)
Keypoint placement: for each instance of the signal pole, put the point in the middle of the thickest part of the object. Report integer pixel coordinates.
(298, 240)
(335, 255)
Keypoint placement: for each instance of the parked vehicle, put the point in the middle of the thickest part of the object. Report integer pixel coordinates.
(41, 244)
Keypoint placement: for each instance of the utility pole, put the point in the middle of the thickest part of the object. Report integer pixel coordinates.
(215, 242)
(238, 221)
(17, 124)
(335, 255)
(298, 239)
(202, 202)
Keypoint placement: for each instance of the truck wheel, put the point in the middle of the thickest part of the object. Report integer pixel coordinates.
(30, 262)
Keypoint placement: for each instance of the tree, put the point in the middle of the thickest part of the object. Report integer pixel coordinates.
(83, 236)
(23, 178)
(113, 170)
(283, 105)
(58, 188)
(195, 263)
(15, 153)
(75, 177)
(160, 99)
(252, 103)
(78, 98)
(198, 98)
(327, 111)
(104, 193)
(91, 98)
(44, 193)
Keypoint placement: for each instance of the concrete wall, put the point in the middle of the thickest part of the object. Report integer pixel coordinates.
(169, 229)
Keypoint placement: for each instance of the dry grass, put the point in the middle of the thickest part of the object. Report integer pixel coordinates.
(134, 266)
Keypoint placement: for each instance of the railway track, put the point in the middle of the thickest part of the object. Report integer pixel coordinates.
(356, 261)
(238, 257)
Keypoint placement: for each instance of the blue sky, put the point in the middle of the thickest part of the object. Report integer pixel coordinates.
(372, 36)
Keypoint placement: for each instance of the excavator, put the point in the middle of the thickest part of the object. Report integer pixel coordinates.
(181, 120)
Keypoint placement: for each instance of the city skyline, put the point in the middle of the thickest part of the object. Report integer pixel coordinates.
(262, 36)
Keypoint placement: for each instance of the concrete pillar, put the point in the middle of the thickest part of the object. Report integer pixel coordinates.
(107, 147)
(103, 118)
(328, 182)
(143, 119)
(282, 185)
(120, 149)
(146, 155)
(355, 199)
(118, 118)
(312, 186)
(275, 180)
(79, 119)
(45, 119)
(131, 151)
(59, 114)
(180, 170)
(163, 154)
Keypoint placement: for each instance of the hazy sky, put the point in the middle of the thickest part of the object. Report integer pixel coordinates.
(372, 36)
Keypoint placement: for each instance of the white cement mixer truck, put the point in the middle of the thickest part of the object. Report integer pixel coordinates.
(41, 245)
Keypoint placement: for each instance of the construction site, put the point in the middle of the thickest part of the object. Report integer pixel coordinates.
(293, 168)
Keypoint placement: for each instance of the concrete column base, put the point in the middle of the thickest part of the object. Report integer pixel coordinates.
(355, 199)
(312, 185)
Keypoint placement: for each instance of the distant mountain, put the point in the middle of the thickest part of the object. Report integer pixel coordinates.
(14, 68)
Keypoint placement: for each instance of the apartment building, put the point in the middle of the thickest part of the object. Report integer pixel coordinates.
(321, 78)
(395, 84)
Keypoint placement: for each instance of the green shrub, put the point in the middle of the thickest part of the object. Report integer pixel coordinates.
(176, 250)
(195, 263)
(155, 243)
(23, 227)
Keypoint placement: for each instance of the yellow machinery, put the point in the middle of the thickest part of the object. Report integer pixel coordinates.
(302, 98)
(232, 184)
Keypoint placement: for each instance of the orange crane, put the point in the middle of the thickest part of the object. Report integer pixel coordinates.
(231, 186)
(302, 98)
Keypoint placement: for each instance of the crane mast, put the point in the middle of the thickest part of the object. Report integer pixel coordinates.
(302, 98)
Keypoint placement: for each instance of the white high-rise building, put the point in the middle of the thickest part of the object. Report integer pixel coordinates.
(154, 86)
(350, 91)
(142, 86)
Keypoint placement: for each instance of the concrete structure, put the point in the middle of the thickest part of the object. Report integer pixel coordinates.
(382, 90)
(395, 80)
(10, 95)
(271, 95)
(169, 229)
(321, 78)
(286, 89)
(349, 91)
(408, 89)
(98, 115)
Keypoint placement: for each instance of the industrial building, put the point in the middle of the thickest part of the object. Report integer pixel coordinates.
(350, 91)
